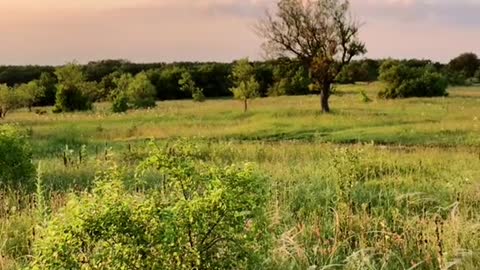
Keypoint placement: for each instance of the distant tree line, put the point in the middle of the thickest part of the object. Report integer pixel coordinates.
(76, 87)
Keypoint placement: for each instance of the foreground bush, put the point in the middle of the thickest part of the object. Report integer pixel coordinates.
(15, 158)
(404, 81)
(202, 217)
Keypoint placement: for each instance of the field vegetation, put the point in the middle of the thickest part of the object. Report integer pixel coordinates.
(116, 165)
(386, 184)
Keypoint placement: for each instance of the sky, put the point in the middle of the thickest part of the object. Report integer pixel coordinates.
(57, 31)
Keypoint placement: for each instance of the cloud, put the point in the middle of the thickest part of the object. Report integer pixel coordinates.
(447, 12)
(56, 31)
(165, 31)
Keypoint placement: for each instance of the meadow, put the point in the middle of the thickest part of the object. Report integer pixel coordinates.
(386, 184)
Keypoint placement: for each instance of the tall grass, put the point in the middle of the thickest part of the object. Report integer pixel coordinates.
(379, 185)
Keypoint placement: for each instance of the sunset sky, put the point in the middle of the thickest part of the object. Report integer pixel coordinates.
(56, 31)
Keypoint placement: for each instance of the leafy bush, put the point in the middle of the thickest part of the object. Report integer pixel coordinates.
(16, 166)
(187, 84)
(73, 91)
(466, 64)
(198, 95)
(404, 81)
(30, 93)
(457, 78)
(289, 81)
(9, 100)
(202, 217)
(48, 82)
(119, 94)
(141, 92)
(120, 103)
(279, 88)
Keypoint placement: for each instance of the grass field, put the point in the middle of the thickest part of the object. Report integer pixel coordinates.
(380, 185)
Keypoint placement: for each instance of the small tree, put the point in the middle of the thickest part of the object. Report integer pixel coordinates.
(9, 100)
(30, 93)
(246, 86)
(141, 92)
(319, 33)
(72, 89)
(187, 84)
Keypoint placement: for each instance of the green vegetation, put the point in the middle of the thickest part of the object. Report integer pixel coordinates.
(15, 159)
(360, 187)
(196, 220)
(72, 90)
(30, 93)
(141, 92)
(321, 34)
(463, 69)
(132, 92)
(9, 100)
(246, 86)
(187, 84)
(372, 184)
(277, 77)
(403, 81)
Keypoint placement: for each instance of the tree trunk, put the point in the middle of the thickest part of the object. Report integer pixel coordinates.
(245, 105)
(324, 96)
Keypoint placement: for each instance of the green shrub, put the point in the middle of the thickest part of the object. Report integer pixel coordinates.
(73, 91)
(30, 93)
(404, 81)
(279, 88)
(9, 100)
(202, 217)
(120, 103)
(364, 97)
(16, 166)
(198, 95)
(187, 84)
(141, 92)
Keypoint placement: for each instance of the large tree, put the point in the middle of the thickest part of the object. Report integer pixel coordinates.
(466, 63)
(322, 34)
